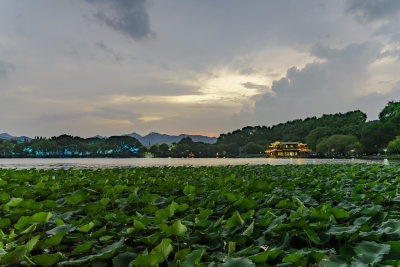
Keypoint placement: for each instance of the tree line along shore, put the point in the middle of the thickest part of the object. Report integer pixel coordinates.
(339, 135)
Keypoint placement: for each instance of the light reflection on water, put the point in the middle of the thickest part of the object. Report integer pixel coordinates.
(95, 163)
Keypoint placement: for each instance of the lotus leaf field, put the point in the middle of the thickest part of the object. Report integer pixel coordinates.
(307, 215)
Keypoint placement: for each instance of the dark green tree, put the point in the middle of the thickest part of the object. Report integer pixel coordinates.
(154, 150)
(339, 144)
(376, 135)
(394, 146)
(316, 135)
(252, 148)
(391, 112)
(163, 150)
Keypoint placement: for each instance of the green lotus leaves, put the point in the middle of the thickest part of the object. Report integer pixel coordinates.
(158, 255)
(182, 207)
(15, 256)
(181, 254)
(29, 229)
(293, 257)
(205, 213)
(335, 261)
(245, 204)
(105, 238)
(138, 224)
(342, 230)
(309, 215)
(178, 228)
(168, 212)
(234, 220)
(238, 262)
(231, 197)
(193, 258)
(4, 197)
(30, 245)
(373, 210)
(151, 239)
(85, 247)
(123, 259)
(65, 228)
(394, 253)
(312, 235)
(340, 213)
(249, 230)
(265, 255)
(53, 240)
(47, 259)
(75, 198)
(86, 228)
(369, 253)
(14, 202)
(22, 222)
(188, 189)
(361, 220)
(391, 228)
(5, 222)
(41, 217)
(108, 251)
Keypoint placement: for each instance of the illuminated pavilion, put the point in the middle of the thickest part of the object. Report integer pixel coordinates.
(287, 150)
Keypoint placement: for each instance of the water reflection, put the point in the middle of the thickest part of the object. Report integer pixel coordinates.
(150, 162)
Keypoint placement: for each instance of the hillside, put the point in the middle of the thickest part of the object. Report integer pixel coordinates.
(157, 138)
(6, 136)
(310, 130)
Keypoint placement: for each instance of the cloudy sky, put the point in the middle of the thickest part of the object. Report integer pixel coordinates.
(188, 66)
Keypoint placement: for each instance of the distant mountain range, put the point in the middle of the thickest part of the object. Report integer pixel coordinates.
(157, 138)
(9, 137)
(99, 136)
(150, 139)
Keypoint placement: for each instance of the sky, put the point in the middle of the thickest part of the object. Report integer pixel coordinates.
(186, 66)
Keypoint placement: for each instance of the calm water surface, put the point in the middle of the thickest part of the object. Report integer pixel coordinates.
(95, 163)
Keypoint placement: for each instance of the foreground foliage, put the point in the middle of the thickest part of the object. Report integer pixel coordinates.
(333, 215)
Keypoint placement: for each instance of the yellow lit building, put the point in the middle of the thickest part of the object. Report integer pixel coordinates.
(287, 150)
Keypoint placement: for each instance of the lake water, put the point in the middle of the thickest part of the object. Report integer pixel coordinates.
(95, 163)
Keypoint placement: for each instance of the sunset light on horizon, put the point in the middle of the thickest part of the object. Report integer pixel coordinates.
(116, 67)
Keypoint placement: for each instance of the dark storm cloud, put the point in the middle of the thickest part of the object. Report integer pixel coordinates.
(369, 10)
(127, 16)
(5, 68)
(319, 87)
(391, 29)
(341, 68)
